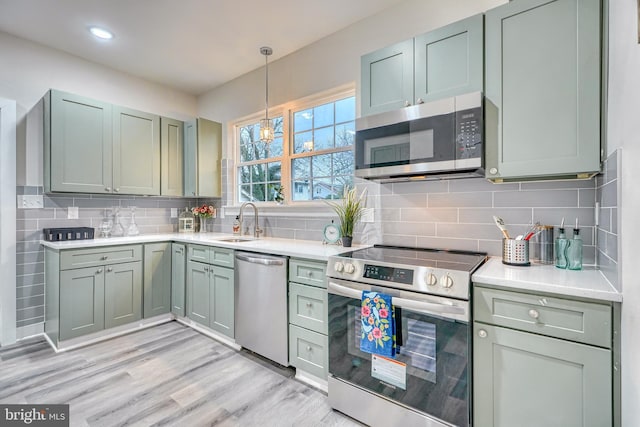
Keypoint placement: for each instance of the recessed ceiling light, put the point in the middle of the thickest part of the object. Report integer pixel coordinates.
(101, 33)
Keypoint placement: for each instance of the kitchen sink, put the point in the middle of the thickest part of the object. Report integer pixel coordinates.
(236, 240)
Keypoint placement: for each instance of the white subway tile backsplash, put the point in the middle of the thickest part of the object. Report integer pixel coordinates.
(536, 198)
(460, 200)
(427, 215)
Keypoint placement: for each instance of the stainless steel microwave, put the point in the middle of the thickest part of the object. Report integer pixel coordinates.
(443, 137)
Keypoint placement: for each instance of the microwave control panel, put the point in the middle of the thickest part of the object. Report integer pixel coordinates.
(469, 133)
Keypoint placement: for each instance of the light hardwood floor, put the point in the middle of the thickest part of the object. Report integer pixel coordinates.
(169, 375)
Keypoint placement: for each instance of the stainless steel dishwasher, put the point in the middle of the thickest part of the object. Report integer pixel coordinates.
(261, 305)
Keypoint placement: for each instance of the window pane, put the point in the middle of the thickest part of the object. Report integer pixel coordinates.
(345, 134)
(301, 167)
(301, 190)
(245, 193)
(258, 192)
(302, 120)
(322, 165)
(246, 152)
(339, 182)
(322, 189)
(244, 175)
(300, 140)
(323, 138)
(343, 163)
(277, 126)
(274, 171)
(258, 173)
(275, 148)
(346, 110)
(323, 115)
(271, 193)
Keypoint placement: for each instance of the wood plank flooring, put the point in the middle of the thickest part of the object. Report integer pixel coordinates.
(168, 375)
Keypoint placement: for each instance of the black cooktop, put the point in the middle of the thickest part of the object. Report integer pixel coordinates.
(420, 257)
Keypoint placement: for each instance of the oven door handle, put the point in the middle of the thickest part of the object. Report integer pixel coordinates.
(421, 306)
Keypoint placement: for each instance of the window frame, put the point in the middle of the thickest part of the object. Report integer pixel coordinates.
(286, 111)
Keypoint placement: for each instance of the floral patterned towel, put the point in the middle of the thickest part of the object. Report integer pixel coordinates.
(378, 324)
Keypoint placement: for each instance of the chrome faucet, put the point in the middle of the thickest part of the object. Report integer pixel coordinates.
(257, 230)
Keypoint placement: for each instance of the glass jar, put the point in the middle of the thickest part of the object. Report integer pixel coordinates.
(186, 221)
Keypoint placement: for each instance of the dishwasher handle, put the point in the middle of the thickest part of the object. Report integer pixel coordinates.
(259, 260)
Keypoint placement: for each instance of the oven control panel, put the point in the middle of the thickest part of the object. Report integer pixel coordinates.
(389, 274)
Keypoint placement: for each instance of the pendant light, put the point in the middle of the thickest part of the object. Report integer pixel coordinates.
(266, 126)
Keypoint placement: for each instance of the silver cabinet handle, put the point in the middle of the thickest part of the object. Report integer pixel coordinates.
(309, 305)
(482, 333)
(407, 104)
(419, 101)
(206, 269)
(107, 189)
(309, 348)
(534, 314)
(310, 273)
(493, 171)
(178, 251)
(117, 190)
(104, 258)
(109, 270)
(99, 271)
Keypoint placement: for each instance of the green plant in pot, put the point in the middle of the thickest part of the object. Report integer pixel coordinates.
(349, 211)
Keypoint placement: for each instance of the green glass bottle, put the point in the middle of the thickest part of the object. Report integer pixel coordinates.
(561, 246)
(574, 251)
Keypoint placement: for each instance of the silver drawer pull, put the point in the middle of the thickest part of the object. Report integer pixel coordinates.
(310, 273)
(109, 270)
(309, 348)
(104, 258)
(482, 333)
(99, 271)
(309, 305)
(534, 314)
(107, 189)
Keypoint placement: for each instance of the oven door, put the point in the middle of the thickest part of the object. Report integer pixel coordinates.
(430, 374)
(415, 139)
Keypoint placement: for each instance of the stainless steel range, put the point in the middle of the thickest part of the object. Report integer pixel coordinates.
(427, 383)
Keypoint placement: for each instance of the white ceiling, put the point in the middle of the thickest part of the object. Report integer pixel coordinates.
(192, 45)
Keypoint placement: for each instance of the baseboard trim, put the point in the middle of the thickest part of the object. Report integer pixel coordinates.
(312, 380)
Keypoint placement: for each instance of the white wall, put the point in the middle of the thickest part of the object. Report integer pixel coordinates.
(333, 61)
(28, 70)
(623, 108)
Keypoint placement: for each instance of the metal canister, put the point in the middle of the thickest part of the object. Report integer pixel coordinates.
(543, 245)
(515, 252)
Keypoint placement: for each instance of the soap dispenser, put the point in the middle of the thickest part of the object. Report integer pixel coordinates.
(562, 243)
(574, 251)
(236, 225)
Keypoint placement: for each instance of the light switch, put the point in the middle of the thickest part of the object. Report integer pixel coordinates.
(30, 201)
(72, 212)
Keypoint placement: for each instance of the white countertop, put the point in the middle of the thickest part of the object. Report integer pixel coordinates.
(587, 283)
(295, 248)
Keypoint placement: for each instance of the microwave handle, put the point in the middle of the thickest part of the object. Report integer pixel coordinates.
(424, 307)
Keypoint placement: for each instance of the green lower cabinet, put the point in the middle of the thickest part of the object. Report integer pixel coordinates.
(221, 305)
(178, 279)
(122, 294)
(524, 379)
(81, 301)
(308, 351)
(157, 279)
(198, 292)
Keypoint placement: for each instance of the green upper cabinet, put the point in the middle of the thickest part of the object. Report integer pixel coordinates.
(136, 136)
(444, 62)
(171, 157)
(448, 60)
(387, 79)
(157, 279)
(542, 89)
(96, 147)
(78, 135)
(202, 158)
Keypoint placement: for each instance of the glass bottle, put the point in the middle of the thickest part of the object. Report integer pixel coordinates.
(118, 229)
(561, 246)
(133, 228)
(574, 251)
(106, 225)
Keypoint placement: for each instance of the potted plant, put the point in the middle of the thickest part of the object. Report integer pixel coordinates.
(349, 211)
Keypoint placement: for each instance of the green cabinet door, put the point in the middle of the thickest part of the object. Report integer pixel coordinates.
(190, 158)
(449, 60)
(171, 157)
(387, 79)
(157, 279)
(81, 301)
(528, 380)
(209, 158)
(198, 293)
(542, 89)
(122, 293)
(222, 300)
(78, 135)
(136, 152)
(178, 279)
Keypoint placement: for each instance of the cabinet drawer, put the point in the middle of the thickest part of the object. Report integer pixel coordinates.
(308, 307)
(578, 321)
(308, 351)
(221, 256)
(199, 253)
(80, 258)
(308, 272)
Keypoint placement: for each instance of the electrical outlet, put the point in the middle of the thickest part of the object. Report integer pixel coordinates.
(367, 215)
(72, 212)
(174, 212)
(30, 201)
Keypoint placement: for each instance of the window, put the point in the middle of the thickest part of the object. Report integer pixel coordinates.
(312, 153)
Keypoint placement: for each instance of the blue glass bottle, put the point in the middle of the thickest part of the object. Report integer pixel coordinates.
(574, 251)
(561, 246)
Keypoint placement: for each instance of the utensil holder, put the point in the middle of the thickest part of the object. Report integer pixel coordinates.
(515, 252)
